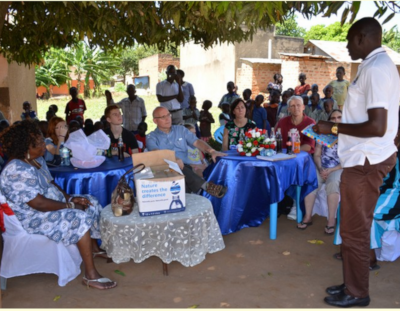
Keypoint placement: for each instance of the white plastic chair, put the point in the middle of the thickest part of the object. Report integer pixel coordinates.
(26, 253)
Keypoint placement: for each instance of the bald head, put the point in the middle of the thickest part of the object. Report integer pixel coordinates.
(363, 37)
(160, 111)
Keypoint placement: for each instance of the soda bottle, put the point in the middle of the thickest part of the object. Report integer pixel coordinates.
(64, 154)
(120, 149)
(297, 143)
(289, 149)
(278, 139)
(109, 151)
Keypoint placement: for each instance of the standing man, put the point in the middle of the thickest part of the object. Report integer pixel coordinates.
(75, 107)
(367, 153)
(170, 95)
(133, 108)
(187, 89)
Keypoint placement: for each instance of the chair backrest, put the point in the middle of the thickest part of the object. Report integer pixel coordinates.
(219, 134)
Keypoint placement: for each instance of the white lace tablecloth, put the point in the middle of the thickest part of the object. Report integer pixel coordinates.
(184, 236)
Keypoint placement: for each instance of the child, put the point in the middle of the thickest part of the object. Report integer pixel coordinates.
(303, 88)
(53, 108)
(191, 114)
(195, 156)
(49, 115)
(230, 96)
(44, 125)
(141, 135)
(246, 97)
(283, 107)
(75, 107)
(314, 111)
(206, 119)
(328, 92)
(224, 117)
(272, 108)
(340, 87)
(89, 127)
(259, 115)
(328, 107)
(28, 113)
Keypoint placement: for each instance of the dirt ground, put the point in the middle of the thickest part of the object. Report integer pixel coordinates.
(251, 272)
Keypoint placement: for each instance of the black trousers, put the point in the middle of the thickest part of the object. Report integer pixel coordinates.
(193, 182)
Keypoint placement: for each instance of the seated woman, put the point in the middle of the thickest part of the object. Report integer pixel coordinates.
(329, 171)
(237, 126)
(42, 207)
(57, 133)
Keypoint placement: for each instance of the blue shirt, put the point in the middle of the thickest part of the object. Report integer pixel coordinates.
(177, 140)
(259, 116)
(187, 90)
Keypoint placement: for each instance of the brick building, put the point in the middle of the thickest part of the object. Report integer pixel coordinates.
(153, 65)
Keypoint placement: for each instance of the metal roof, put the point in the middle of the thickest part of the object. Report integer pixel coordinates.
(262, 60)
(304, 55)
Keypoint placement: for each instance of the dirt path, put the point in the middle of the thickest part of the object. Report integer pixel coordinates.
(251, 272)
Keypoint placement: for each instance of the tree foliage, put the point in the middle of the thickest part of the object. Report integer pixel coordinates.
(391, 38)
(290, 28)
(333, 32)
(31, 28)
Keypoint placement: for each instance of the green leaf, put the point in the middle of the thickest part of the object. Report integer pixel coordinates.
(388, 18)
(193, 307)
(119, 272)
(56, 298)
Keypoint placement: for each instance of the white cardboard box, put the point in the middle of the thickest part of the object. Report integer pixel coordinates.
(159, 189)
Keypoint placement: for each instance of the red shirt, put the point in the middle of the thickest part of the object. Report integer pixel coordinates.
(74, 109)
(301, 89)
(285, 124)
(143, 140)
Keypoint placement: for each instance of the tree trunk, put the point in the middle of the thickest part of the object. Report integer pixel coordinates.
(3, 12)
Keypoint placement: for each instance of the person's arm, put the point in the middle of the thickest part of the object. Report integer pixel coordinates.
(210, 118)
(43, 204)
(163, 99)
(144, 112)
(66, 112)
(375, 126)
(206, 148)
(180, 97)
(308, 87)
(317, 157)
(225, 140)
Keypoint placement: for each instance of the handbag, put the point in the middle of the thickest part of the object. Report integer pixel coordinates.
(122, 199)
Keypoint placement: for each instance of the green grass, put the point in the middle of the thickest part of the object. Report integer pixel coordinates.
(95, 108)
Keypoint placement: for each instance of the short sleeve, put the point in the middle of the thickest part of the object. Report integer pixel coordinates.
(375, 83)
(191, 90)
(20, 183)
(67, 108)
(84, 105)
(143, 108)
(151, 142)
(159, 89)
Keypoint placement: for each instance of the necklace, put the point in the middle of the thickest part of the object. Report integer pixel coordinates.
(40, 169)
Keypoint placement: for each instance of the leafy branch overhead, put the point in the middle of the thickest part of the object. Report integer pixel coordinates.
(32, 28)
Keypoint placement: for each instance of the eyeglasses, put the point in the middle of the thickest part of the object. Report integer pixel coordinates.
(164, 117)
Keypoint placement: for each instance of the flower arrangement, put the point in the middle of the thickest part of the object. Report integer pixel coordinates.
(255, 142)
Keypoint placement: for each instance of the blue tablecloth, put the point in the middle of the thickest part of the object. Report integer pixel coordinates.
(99, 181)
(255, 184)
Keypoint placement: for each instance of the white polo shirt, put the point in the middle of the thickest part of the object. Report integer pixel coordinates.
(377, 85)
(164, 88)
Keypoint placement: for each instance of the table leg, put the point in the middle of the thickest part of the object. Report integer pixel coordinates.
(299, 212)
(273, 220)
(165, 268)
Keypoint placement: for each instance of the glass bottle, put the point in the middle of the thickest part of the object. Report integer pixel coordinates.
(289, 145)
(278, 141)
(120, 149)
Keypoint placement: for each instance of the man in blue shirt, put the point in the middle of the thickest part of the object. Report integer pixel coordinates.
(177, 138)
(187, 89)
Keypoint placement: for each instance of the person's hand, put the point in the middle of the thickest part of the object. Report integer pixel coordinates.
(62, 132)
(324, 173)
(81, 201)
(180, 163)
(214, 154)
(323, 127)
(178, 79)
(194, 116)
(126, 155)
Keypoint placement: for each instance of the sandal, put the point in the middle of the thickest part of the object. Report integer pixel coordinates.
(328, 232)
(216, 190)
(88, 282)
(338, 256)
(306, 224)
(101, 254)
(374, 267)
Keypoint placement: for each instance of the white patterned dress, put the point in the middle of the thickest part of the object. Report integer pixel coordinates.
(20, 183)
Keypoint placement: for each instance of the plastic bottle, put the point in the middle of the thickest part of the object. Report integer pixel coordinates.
(278, 139)
(289, 144)
(109, 151)
(120, 149)
(64, 154)
(297, 144)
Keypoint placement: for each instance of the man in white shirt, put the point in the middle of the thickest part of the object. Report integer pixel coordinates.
(133, 108)
(170, 95)
(367, 153)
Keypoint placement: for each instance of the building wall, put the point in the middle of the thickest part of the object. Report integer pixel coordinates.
(151, 66)
(244, 78)
(209, 70)
(17, 84)
(63, 89)
(290, 72)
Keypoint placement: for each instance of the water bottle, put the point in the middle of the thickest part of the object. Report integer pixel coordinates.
(278, 139)
(64, 154)
(120, 149)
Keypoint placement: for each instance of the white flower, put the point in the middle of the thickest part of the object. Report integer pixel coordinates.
(258, 134)
(260, 149)
(239, 146)
(248, 154)
(267, 140)
(240, 149)
(248, 145)
(253, 149)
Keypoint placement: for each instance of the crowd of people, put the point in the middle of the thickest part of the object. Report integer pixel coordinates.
(181, 127)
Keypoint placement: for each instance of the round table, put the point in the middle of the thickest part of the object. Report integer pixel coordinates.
(99, 182)
(184, 236)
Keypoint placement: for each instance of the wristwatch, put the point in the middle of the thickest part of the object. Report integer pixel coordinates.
(334, 129)
(71, 205)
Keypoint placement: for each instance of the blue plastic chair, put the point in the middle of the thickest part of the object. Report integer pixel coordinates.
(219, 134)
